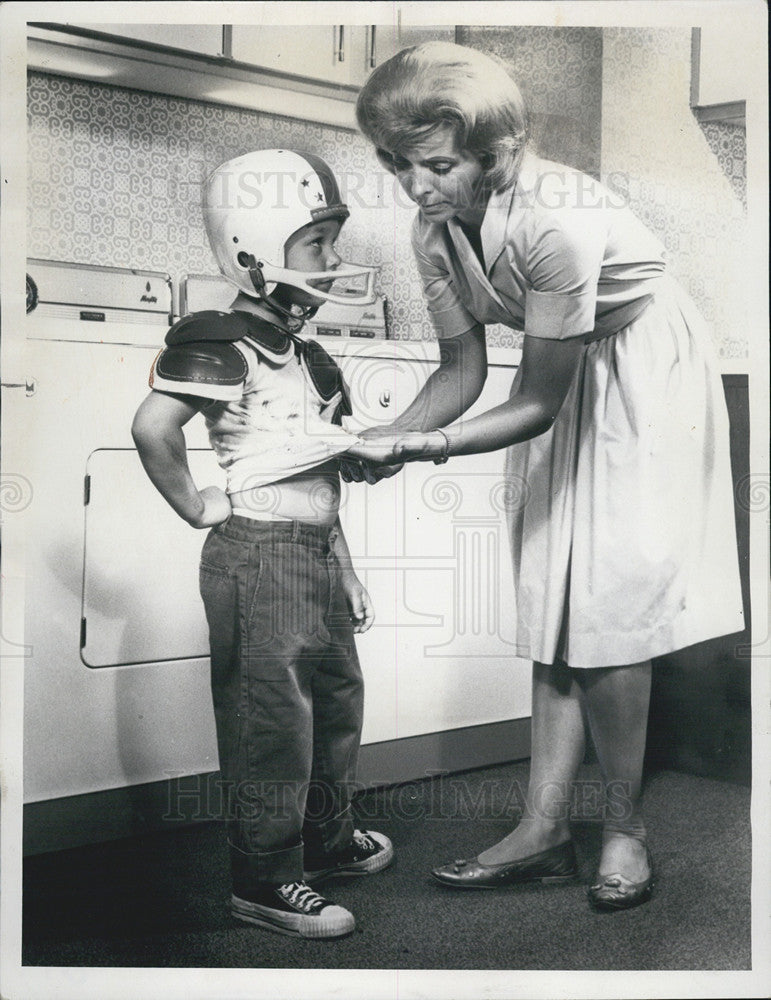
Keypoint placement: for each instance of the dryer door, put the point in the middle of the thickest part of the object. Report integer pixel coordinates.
(140, 585)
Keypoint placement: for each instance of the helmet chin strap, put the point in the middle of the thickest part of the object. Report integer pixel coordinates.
(294, 320)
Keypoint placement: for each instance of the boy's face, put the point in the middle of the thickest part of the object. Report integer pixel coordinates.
(310, 249)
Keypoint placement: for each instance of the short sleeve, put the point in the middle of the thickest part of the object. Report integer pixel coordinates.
(449, 315)
(564, 260)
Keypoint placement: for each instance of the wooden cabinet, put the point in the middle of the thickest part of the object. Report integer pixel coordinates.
(720, 81)
(329, 52)
(160, 59)
(384, 40)
(342, 54)
(307, 71)
(204, 39)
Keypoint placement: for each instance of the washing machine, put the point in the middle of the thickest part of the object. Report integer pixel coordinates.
(116, 686)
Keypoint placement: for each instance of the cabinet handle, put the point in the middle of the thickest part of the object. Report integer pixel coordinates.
(340, 52)
(29, 385)
(372, 46)
(227, 41)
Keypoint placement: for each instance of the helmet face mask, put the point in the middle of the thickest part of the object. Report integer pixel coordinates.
(253, 204)
(356, 285)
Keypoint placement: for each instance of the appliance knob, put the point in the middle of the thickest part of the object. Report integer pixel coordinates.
(32, 295)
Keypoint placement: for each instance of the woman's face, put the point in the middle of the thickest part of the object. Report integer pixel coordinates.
(444, 182)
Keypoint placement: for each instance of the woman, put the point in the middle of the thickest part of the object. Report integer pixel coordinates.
(616, 423)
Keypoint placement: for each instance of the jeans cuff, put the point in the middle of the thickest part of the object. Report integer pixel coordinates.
(331, 835)
(261, 867)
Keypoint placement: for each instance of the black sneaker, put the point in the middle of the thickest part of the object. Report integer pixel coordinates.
(366, 854)
(294, 909)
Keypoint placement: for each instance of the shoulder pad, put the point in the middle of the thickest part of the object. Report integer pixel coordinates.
(343, 408)
(269, 340)
(325, 374)
(217, 370)
(208, 325)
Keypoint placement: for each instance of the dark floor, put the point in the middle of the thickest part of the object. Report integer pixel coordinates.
(160, 900)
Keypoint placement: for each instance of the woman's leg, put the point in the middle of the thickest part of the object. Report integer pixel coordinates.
(557, 752)
(617, 700)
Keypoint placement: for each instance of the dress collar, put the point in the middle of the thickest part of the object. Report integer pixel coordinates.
(501, 208)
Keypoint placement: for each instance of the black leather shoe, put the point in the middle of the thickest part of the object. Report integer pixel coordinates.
(558, 864)
(616, 892)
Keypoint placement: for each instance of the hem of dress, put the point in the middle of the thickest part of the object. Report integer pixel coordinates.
(636, 648)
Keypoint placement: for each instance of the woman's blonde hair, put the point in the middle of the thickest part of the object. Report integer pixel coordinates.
(437, 84)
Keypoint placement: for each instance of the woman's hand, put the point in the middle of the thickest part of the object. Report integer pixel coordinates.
(216, 508)
(407, 446)
(354, 470)
(359, 602)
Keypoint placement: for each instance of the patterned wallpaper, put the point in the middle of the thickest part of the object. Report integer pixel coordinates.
(686, 181)
(114, 174)
(115, 178)
(559, 71)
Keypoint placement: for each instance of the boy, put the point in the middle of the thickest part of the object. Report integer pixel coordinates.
(281, 598)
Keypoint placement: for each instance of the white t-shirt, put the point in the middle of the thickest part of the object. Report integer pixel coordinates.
(271, 425)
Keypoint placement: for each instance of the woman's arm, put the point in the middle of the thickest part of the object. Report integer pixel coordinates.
(547, 370)
(450, 390)
(446, 394)
(157, 433)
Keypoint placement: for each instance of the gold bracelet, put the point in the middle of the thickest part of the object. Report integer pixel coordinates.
(445, 450)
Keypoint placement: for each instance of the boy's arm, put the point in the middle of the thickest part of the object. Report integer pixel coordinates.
(157, 433)
(359, 601)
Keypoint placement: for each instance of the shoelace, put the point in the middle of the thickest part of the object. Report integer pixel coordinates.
(301, 895)
(364, 841)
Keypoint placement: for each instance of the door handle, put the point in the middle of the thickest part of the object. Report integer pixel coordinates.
(29, 386)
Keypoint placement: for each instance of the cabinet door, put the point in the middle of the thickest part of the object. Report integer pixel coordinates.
(327, 52)
(202, 38)
(385, 40)
(720, 75)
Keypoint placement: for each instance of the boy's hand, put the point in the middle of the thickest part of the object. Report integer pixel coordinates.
(359, 602)
(355, 471)
(216, 508)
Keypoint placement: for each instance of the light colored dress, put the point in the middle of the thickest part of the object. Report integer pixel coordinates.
(622, 521)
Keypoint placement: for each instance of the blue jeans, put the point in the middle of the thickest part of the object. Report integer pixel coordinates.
(287, 691)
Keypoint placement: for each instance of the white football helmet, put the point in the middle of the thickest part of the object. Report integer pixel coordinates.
(255, 202)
